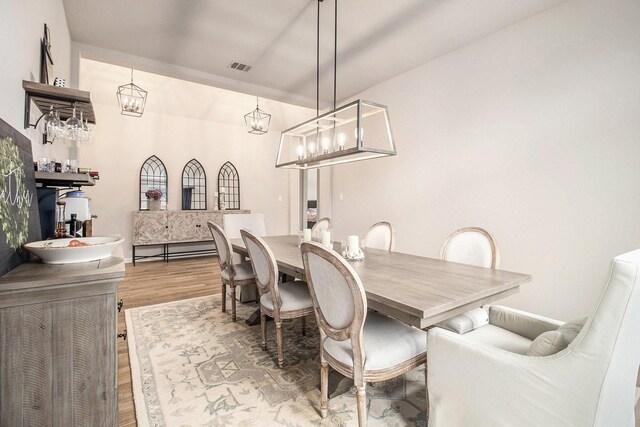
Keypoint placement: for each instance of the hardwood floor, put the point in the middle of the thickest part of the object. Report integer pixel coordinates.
(157, 282)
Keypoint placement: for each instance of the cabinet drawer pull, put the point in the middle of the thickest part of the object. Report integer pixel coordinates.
(123, 335)
(120, 305)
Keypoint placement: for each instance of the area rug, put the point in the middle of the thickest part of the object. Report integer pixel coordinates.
(192, 366)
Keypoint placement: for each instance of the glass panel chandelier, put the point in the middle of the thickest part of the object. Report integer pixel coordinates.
(257, 121)
(132, 99)
(359, 130)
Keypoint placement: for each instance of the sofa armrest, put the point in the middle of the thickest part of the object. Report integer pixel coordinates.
(520, 322)
(473, 384)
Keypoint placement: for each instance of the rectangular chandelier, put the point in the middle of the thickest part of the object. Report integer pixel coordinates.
(359, 130)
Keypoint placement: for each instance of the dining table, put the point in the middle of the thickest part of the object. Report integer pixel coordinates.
(417, 290)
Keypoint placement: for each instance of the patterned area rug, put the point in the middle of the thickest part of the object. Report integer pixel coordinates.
(192, 366)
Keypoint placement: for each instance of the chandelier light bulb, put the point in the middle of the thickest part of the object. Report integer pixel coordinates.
(342, 139)
(300, 151)
(325, 145)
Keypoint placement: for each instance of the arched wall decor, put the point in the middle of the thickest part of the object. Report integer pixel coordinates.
(194, 186)
(153, 175)
(229, 184)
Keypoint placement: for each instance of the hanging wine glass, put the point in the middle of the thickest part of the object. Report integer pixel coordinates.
(52, 124)
(74, 129)
(87, 133)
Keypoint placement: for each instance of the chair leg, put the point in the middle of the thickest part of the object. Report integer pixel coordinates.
(324, 388)
(426, 391)
(224, 297)
(233, 303)
(263, 327)
(303, 320)
(361, 401)
(280, 344)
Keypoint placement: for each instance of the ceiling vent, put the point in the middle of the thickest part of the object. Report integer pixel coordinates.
(240, 67)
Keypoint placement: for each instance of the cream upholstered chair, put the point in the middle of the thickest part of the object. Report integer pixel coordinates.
(254, 222)
(232, 275)
(280, 301)
(471, 245)
(381, 235)
(474, 246)
(480, 378)
(364, 345)
(321, 225)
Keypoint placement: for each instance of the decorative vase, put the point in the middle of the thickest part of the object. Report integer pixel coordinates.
(154, 205)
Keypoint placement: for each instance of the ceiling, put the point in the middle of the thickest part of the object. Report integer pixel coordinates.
(198, 39)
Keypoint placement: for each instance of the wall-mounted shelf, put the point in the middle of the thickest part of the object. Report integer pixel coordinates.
(62, 98)
(55, 179)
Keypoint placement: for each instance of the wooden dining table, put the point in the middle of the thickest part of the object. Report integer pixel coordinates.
(417, 290)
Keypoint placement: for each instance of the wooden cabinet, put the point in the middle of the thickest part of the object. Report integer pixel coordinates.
(171, 227)
(58, 361)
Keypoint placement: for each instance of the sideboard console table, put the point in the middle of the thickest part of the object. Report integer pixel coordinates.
(164, 228)
(58, 362)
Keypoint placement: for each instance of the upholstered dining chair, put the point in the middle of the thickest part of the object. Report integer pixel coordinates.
(381, 235)
(280, 301)
(526, 370)
(364, 345)
(233, 223)
(232, 275)
(474, 246)
(321, 225)
(471, 245)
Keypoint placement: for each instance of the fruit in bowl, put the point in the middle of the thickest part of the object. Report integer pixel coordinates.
(69, 251)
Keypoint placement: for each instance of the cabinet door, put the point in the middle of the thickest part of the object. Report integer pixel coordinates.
(150, 228)
(203, 218)
(183, 226)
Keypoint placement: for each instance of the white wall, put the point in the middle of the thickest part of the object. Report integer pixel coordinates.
(21, 28)
(532, 133)
(182, 120)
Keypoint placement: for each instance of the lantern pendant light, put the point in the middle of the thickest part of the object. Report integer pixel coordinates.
(257, 121)
(132, 99)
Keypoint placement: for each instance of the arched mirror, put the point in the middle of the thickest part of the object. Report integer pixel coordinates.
(194, 186)
(228, 187)
(153, 176)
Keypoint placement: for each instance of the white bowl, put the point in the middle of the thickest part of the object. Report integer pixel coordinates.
(58, 251)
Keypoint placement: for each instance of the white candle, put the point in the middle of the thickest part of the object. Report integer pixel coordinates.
(353, 247)
(326, 237)
(306, 235)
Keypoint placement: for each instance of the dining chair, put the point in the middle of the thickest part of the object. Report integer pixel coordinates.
(471, 245)
(233, 223)
(254, 222)
(231, 274)
(381, 235)
(323, 224)
(280, 301)
(527, 370)
(363, 345)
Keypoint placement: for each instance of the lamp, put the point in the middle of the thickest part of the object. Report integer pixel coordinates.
(337, 136)
(257, 121)
(132, 99)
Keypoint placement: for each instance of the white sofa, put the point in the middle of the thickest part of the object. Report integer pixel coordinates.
(483, 379)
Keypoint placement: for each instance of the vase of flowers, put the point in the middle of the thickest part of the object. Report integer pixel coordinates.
(154, 197)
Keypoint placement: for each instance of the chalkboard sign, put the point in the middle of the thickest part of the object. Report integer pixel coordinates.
(18, 201)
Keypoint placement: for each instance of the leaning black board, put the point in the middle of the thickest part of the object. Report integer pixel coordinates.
(19, 219)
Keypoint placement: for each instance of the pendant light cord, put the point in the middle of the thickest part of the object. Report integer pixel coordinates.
(335, 51)
(318, 62)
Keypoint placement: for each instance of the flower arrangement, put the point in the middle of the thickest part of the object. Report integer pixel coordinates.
(153, 193)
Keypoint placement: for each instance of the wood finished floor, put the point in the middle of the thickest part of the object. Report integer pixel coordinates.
(156, 282)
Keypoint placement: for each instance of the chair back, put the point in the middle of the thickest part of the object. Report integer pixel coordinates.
(321, 225)
(264, 265)
(381, 235)
(233, 223)
(471, 245)
(223, 246)
(339, 300)
(608, 346)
